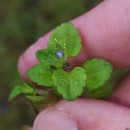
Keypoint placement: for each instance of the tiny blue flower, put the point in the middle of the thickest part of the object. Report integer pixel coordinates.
(59, 54)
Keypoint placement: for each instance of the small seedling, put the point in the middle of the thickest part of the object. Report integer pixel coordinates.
(54, 78)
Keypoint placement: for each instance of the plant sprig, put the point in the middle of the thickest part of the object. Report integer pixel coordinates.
(54, 76)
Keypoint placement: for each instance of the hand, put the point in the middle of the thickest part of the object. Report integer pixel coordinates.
(105, 33)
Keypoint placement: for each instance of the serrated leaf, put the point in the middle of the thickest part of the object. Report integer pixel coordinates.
(67, 36)
(98, 71)
(70, 85)
(50, 56)
(41, 74)
(21, 89)
(106, 90)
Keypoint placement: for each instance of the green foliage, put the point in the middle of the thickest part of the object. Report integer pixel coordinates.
(21, 89)
(106, 90)
(65, 42)
(34, 98)
(98, 72)
(67, 36)
(48, 56)
(41, 74)
(70, 84)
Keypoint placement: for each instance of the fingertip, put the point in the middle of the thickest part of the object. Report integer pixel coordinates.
(54, 120)
(28, 58)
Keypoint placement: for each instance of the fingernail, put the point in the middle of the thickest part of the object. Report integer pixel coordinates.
(55, 120)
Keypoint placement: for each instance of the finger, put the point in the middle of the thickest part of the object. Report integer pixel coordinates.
(84, 115)
(55, 120)
(105, 33)
(121, 94)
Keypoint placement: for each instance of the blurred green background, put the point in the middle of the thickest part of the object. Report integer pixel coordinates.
(22, 22)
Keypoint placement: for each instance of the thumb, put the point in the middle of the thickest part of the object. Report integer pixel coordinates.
(84, 115)
(55, 120)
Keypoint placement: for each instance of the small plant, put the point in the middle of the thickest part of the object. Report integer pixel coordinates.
(54, 78)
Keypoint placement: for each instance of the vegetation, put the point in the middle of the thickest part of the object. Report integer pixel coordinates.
(22, 23)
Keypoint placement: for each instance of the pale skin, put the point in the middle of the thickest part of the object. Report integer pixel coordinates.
(105, 33)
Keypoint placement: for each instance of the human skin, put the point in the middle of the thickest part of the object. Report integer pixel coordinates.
(105, 33)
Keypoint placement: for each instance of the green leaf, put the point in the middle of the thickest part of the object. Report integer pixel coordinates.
(49, 56)
(64, 43)
(98, 71)
(70, 85)
(67, 36)
(41, 74)
(107, 88)
(35, 98)
(21, 89)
